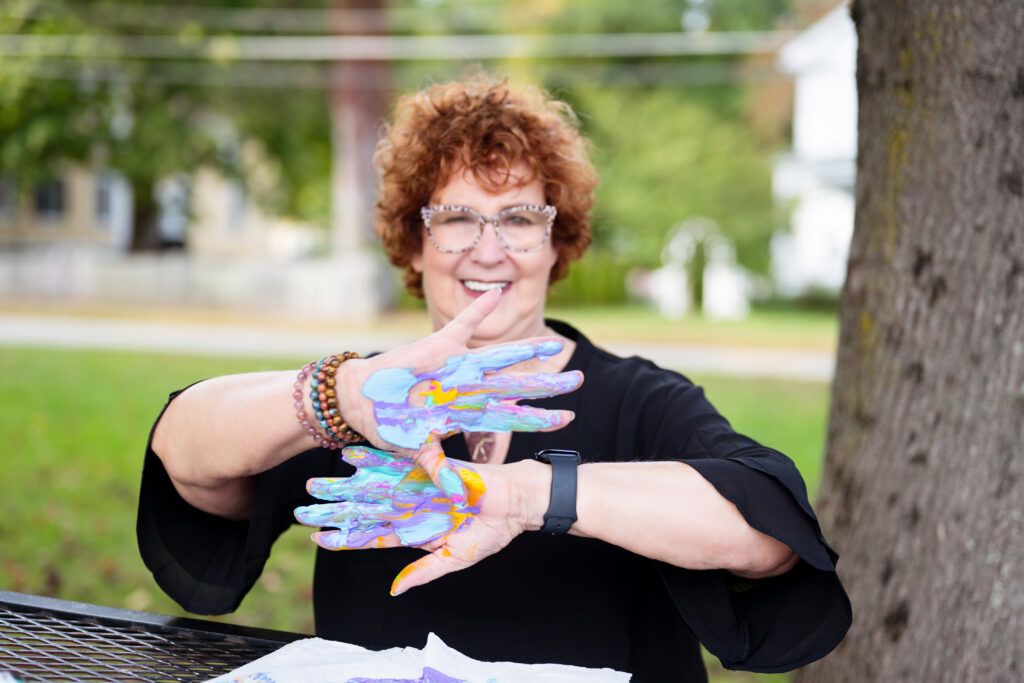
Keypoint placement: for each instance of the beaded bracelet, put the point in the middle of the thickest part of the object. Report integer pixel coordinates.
(324, 398)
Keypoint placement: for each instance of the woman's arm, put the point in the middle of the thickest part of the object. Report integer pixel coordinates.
(217, 435)
(662, 510)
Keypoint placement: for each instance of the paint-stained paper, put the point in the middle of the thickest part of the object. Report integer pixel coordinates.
(314, 660)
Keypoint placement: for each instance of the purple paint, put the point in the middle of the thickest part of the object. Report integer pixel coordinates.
(430, 675)
(388, 493)
(462, 396)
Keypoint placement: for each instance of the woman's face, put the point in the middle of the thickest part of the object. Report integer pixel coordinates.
(452, 281)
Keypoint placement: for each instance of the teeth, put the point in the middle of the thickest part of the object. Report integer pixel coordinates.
(478, 286)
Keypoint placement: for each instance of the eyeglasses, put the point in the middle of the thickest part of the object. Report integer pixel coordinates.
(455, 229)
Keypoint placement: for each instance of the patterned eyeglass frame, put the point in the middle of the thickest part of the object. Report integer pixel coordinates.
(427, 212)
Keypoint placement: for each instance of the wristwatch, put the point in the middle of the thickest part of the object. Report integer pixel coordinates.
(562, 509)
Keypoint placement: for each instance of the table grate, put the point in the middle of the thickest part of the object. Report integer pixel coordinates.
(42, 645)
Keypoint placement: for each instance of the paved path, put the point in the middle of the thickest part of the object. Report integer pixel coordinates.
(265, 340)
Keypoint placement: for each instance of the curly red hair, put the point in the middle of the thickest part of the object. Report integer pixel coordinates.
(484, 127)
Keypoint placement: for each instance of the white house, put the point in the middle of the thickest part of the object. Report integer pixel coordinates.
(68, 240)
(816, 177)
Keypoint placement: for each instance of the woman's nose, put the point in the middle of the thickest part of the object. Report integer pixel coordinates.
(488, 248)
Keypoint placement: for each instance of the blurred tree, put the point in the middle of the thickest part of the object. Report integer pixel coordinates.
(924, 477)
(693, 147)
(149, 119)
(668, 154)
(693, 154)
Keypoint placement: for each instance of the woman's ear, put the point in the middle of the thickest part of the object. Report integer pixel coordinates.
(416, 262)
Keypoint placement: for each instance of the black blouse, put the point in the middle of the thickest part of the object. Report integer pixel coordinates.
(545, 598)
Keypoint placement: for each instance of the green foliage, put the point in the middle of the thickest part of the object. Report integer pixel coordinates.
(294, 129)
(599, 278)
(580, 16)
(743, 15)
(666, 155)
(39, 124)
(152, 118)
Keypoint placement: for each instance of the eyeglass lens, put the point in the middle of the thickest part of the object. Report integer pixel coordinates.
(518, 229)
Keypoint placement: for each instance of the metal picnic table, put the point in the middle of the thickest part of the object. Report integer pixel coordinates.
(44, 639)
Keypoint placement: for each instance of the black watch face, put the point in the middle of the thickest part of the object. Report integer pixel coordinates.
(549, 454)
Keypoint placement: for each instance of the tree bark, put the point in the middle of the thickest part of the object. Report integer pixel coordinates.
(923, 488)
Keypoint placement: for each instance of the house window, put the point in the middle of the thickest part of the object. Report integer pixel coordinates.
(50, 200)
(6, 197)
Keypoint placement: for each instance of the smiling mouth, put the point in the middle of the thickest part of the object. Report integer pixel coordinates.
(480, 286)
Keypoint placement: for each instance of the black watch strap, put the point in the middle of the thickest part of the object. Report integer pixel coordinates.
(561, 512)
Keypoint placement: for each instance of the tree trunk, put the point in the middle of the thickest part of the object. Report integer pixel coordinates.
(145, 216)
(923, 489)
(360, 95)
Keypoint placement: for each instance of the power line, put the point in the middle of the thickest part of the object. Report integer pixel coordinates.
(292, 76)
(395, 48)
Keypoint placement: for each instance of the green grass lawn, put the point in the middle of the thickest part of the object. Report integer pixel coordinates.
(74, 425)
(772, 328)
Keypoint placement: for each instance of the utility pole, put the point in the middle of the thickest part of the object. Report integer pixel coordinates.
(359, 98)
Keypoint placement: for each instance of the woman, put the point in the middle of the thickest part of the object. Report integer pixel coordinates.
(684, 529)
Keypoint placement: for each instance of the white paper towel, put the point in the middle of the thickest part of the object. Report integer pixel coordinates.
(314, 660)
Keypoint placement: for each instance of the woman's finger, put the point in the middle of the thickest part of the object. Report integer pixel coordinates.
(462, 326)
(506, 355)
(424, 570)
(564, 418)
(341, 514)
(365, 456)
(508, 417)
(339, 540)
(431, 458)
(531, 385)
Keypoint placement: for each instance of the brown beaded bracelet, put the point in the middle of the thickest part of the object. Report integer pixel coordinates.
(324, 398)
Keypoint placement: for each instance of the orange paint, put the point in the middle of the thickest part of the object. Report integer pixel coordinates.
(402, 576)
(474, 485)
(439, 395)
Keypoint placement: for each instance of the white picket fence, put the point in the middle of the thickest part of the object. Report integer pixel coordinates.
(351, 285)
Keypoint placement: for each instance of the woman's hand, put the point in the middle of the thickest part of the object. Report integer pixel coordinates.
(413, 396)
(391, 502)
(389, 495)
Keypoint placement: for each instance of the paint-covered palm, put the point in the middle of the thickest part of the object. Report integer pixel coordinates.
(390, 500)
(412, 396)
(467, 394)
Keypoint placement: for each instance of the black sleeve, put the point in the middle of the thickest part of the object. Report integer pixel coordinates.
(779, 623)
(206, 563)
(766, 625)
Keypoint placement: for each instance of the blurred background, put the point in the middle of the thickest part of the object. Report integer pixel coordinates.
(187, 190)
